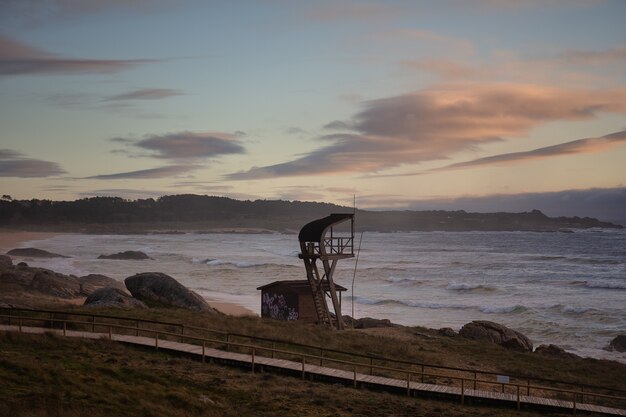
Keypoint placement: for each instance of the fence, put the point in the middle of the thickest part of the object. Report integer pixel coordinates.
(459, 380)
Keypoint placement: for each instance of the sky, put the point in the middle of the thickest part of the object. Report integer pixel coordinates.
(484, 105)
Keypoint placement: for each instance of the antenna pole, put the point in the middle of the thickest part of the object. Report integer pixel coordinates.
(354, 275)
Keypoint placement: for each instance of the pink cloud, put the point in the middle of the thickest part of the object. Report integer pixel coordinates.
(435, 123)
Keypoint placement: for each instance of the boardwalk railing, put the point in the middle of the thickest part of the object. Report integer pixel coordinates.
(465, 381)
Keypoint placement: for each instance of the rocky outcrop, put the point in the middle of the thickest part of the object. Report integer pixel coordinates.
(498, 334)
(112, 297)
(22, 278)
(554, 351)
(156, 288)
(92, 282)
(447, 331)
(34, 253)
(55, 284)
(370, 323)
(5, 262)
(618, 344)
(131, 255)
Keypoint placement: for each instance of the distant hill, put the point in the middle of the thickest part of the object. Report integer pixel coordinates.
(197, 212)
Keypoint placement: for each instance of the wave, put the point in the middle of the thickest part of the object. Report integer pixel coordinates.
(244, 264)
(483, 309)
(463, 287)
(518, 308)
(606, 285)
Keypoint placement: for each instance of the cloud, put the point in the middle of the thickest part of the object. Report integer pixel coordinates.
(14, 164)
(587, 145)
(435, 123)
(151, 173)
(146, 94)
(20, 59)
(568, 66)
(191, 145)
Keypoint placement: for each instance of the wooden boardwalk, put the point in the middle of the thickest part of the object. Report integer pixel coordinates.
(307, 370)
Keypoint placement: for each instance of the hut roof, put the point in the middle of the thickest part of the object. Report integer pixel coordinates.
(314, 231)
(300, 285)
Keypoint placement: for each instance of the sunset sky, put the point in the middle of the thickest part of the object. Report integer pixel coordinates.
(499, 104)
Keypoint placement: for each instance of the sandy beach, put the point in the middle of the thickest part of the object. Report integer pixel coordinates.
(11, 239)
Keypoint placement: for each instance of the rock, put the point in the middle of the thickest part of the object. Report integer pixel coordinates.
(55, 284)
(498, 334)
(447, 331)
(554, 351)
(161, 289)
(132, 255)
(23, 265)
(618, 344)
(92, 282)
(34, 253)
(368, 323)
(112, 297)
(5, 262)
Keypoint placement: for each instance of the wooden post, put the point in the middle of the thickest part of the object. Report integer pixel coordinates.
(355, 377)
(110, 332)
(227, 342)
(303, 362)
(422, 374)
(528, 389)
(408, 384)
(137, 328)
(462, 391)
(156, 341)
(182, 333)
(518, 401)
(474, 380)
(203, 349)
(273, 348)
(372, 367)
(252, 360)
(321, 357)
(574, 411)
(93, 324)
(582, 396)
(20, 325)
(64, 328)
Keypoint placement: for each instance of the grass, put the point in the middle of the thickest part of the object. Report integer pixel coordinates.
(54, 376)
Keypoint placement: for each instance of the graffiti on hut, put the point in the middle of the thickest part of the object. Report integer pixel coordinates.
(280, 306)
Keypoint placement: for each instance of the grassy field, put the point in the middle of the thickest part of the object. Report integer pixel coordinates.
(49, 375)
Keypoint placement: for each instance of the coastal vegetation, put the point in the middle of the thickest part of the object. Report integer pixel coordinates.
(51, 375)
(207, 213)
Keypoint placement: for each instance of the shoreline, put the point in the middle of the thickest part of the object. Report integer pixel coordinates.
(11, 239)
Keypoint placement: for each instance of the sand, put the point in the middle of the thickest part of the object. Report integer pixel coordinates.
(11, 239)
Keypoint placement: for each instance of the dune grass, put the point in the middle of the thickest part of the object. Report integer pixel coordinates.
(54, 376)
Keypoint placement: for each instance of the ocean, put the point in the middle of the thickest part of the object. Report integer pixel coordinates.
(567, 289)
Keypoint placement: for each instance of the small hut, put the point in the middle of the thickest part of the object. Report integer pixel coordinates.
(291, 300)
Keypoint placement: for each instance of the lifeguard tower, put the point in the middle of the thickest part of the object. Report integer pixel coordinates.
(319, 241)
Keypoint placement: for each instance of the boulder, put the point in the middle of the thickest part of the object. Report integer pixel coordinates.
(156, 288)
(34, 253)
(618, 344)
(5, 262)
(447, 331)
(498, 334)
(92, 282)
(554, 351)
(369, 323)
(112, 297)
(55, 284)
(132, 255)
